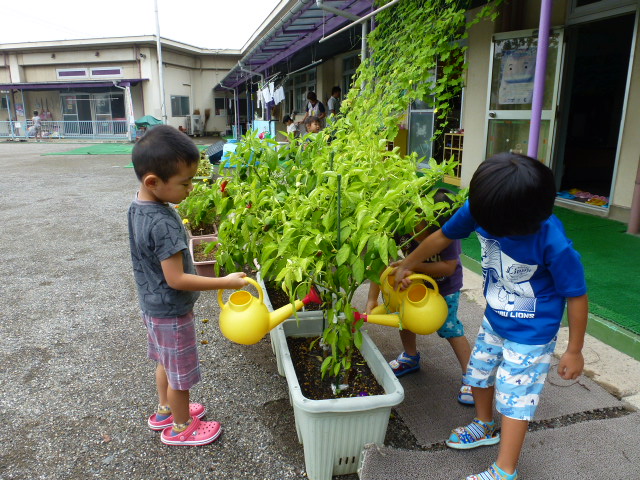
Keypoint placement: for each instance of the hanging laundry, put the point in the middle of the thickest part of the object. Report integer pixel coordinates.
(278, 95)
(267, 96)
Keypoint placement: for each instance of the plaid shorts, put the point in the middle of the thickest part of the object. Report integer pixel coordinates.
(172, 343)
(518, 371)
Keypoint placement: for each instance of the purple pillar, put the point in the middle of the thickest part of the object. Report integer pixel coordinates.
(538, 82)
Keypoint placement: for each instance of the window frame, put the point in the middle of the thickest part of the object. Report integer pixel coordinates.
(181, 97)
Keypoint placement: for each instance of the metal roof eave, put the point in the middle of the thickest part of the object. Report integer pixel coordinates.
(68, 84)
(302, 25)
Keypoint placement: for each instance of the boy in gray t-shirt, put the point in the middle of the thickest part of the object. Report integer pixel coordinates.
(165, 161)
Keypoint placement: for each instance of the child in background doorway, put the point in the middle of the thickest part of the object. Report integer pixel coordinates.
(165, 161)
(531, 271)
(292, 128)
(446, 270)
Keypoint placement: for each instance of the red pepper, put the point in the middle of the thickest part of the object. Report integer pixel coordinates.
(249, 205)
(223, 185)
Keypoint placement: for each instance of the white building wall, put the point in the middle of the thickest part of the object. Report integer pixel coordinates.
(630, 146)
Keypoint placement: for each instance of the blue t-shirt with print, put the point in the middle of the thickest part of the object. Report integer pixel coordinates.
(527, 278)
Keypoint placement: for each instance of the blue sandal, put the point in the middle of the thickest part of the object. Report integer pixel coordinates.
(494, 472)
(405, 364)
(476, 434)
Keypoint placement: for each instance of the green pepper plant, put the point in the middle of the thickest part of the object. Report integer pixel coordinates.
(326, 210)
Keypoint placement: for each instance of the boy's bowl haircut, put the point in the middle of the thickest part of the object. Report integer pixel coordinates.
(511, 194)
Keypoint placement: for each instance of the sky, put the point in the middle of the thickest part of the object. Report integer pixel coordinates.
(202, 23)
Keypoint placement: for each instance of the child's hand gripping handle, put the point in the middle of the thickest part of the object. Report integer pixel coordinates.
(249, 280)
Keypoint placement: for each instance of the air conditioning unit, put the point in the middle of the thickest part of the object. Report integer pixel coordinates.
(194, 125)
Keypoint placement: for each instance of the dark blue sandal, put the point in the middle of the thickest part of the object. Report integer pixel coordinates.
(405, 364)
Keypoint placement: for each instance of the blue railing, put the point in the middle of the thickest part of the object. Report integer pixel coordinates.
(50, 129)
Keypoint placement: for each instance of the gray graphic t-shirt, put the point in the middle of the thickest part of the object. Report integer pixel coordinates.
(156, 233)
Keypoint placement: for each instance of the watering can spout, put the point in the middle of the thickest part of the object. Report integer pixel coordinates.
(281, 314)
(387, 319)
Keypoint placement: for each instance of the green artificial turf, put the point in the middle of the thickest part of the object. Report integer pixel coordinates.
(610, 258)
(106, 149)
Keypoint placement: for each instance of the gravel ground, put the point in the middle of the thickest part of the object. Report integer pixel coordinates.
(76, 385)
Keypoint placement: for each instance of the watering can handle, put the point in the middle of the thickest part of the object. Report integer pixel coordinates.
(386, 273)
(415, 276)
(252, 282)
(421, 276)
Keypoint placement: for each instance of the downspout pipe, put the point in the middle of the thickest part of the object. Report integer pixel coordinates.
(244, 69)
(235, 108)
(539, 79)
(634, 214)
(127, 109)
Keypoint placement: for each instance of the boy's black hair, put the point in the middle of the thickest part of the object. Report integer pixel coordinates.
(310, 119)
(312, 96)
(286, 119)
(336, 89)
(35, 112)
(161, 151)
(511, 194)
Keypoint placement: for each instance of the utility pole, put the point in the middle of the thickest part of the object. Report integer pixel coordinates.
(163, 106)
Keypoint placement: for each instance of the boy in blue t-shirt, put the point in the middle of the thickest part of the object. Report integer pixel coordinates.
(531, 271)
(165, 162)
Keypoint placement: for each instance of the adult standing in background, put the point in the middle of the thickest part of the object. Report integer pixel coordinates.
(315, 108)
(334, 102)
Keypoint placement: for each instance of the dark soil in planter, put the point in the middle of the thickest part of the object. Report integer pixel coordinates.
(200, 256)
(279, 298)
(307, 356)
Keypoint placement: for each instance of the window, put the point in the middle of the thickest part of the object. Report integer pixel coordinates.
(349, 66)
(179, 106)
(219, 107)
(75, 73)
(299, 86)
(103, 72)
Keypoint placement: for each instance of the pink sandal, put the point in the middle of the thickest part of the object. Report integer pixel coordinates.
(197, 433)
(195, 410)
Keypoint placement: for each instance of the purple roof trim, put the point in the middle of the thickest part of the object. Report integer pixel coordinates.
(61, 85)
(303, 29)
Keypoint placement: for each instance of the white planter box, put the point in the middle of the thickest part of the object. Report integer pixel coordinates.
(335, 431)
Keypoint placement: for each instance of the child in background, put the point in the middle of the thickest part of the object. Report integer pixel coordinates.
(312, 124)
(531, 271)
(165, 161)
(37, 125)
(445, 268)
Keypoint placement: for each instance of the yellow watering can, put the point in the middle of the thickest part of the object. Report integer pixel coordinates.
(391, 298)
(422, 310)
(245, 319)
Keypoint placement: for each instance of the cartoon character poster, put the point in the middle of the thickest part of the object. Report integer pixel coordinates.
(517, 72)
